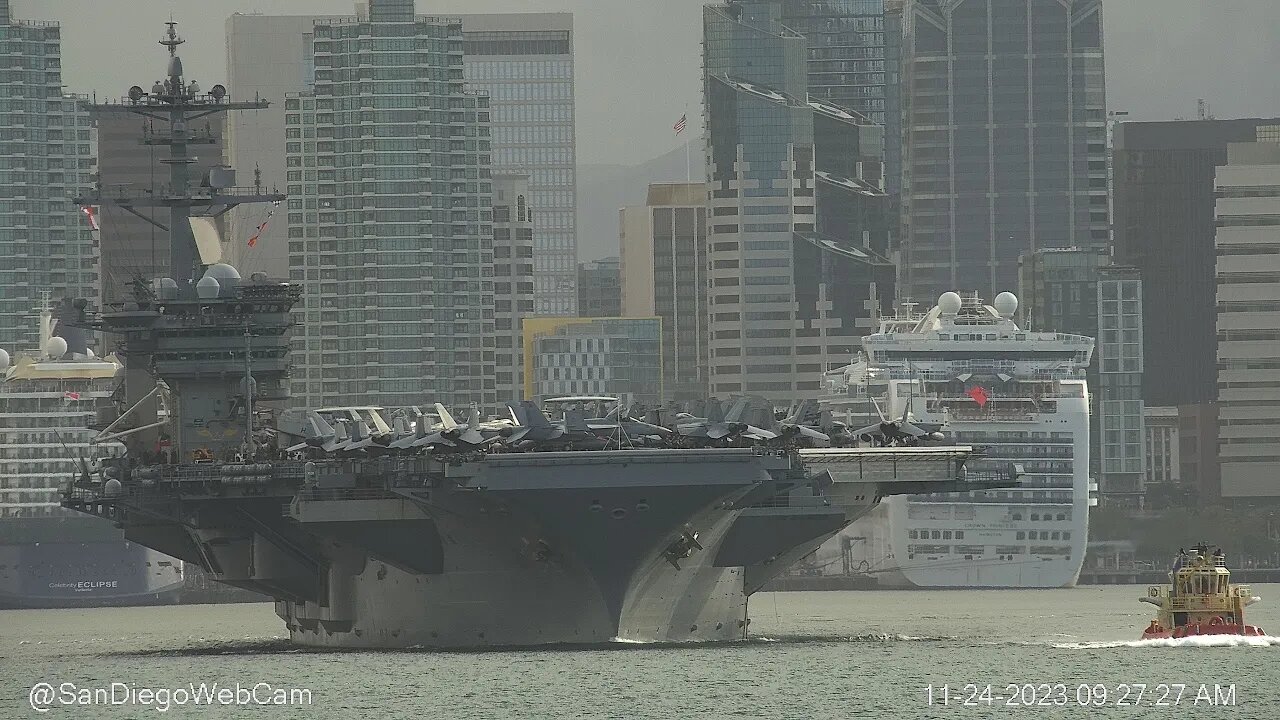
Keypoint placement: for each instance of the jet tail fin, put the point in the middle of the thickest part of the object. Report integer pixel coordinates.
(517, 413)
(446, 420)
(736, 410)
(715, 411)
(533, 416)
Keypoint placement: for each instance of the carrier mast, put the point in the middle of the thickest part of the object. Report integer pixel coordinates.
(192, 329)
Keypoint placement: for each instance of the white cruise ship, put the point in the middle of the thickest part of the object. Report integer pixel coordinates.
(50, 557)
(1020, 395)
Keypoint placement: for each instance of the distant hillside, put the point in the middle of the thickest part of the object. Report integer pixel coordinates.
(604, 189)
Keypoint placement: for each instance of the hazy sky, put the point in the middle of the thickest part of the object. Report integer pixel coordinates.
(638, 61)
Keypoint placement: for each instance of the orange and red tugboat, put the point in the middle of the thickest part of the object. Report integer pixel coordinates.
(1200, 600)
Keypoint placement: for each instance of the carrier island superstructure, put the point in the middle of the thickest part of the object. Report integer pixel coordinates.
(1021, 396)
(369, 535)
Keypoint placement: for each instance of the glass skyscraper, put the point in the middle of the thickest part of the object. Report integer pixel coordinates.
(797, 211)
(46, 159)
(390, 218)
(846, 51)
(1005, 138)
(524, 62)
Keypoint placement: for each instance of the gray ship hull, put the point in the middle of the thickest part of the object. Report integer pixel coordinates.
(562, 552)
(74, 562)
(516, 549)
(489, 598)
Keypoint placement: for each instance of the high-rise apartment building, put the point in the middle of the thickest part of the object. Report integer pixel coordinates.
(797, 211)
(46, 158)
(1004, 126)
(524, 61)
(392, 231)
(1248, 281)
(512, 280)
(664, 273)
(1120, 418)
(1164, 226)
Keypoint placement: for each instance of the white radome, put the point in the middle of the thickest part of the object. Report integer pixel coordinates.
(4, 359)
(949, 303)
(222, 271)
(208, 288)
(55, 348)
(1006, 304)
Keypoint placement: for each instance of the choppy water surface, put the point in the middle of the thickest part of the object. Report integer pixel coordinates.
(813, 655)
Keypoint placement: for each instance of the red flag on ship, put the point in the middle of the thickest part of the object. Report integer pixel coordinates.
(978, 394)
(93, 217)
(71, 395)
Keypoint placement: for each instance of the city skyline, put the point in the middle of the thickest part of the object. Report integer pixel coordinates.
(799, 68)
(1150, 80)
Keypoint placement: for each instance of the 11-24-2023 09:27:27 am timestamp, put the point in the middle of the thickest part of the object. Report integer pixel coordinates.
(1081, 695)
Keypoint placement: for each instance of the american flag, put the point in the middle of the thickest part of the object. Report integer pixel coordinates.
(680, 124)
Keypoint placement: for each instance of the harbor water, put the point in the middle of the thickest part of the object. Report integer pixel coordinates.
(1045, 654)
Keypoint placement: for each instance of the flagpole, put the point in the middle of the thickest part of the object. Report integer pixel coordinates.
(688, 164)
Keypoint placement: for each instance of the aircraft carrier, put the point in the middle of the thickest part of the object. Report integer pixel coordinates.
(423, 531)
